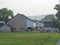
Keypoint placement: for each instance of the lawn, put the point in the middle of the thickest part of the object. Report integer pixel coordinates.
(31, 38)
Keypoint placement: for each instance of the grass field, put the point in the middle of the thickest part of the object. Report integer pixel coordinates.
(25, 38)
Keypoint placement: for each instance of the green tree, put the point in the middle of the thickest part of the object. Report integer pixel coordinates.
(56, 22)
(49, 17)
(57, 7)
(5, 14)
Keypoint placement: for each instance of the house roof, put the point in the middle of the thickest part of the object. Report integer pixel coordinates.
(46, 21)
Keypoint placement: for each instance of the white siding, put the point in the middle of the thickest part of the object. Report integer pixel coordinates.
(50, 29)
(39, 24)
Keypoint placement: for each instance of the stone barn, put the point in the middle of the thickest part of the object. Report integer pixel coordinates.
(18, 23)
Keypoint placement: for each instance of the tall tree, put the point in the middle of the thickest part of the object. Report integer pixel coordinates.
(57, 7)
(5, 14)
(56, 23)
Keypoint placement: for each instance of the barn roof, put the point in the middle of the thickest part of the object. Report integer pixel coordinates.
(17, 15)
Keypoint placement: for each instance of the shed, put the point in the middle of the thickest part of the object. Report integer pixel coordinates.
(5, 28)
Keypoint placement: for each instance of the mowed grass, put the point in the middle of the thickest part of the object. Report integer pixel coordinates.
(31, 38)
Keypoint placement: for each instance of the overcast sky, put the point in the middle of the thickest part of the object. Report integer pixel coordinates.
(30, 7)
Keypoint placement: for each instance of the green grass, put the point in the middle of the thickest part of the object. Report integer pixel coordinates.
(31, 38)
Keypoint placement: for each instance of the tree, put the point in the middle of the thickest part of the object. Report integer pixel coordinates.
(5, 14)
(56, 22)
(57, 7)
(49, 17)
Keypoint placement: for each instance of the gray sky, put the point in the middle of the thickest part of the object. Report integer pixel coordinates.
(30, 7)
